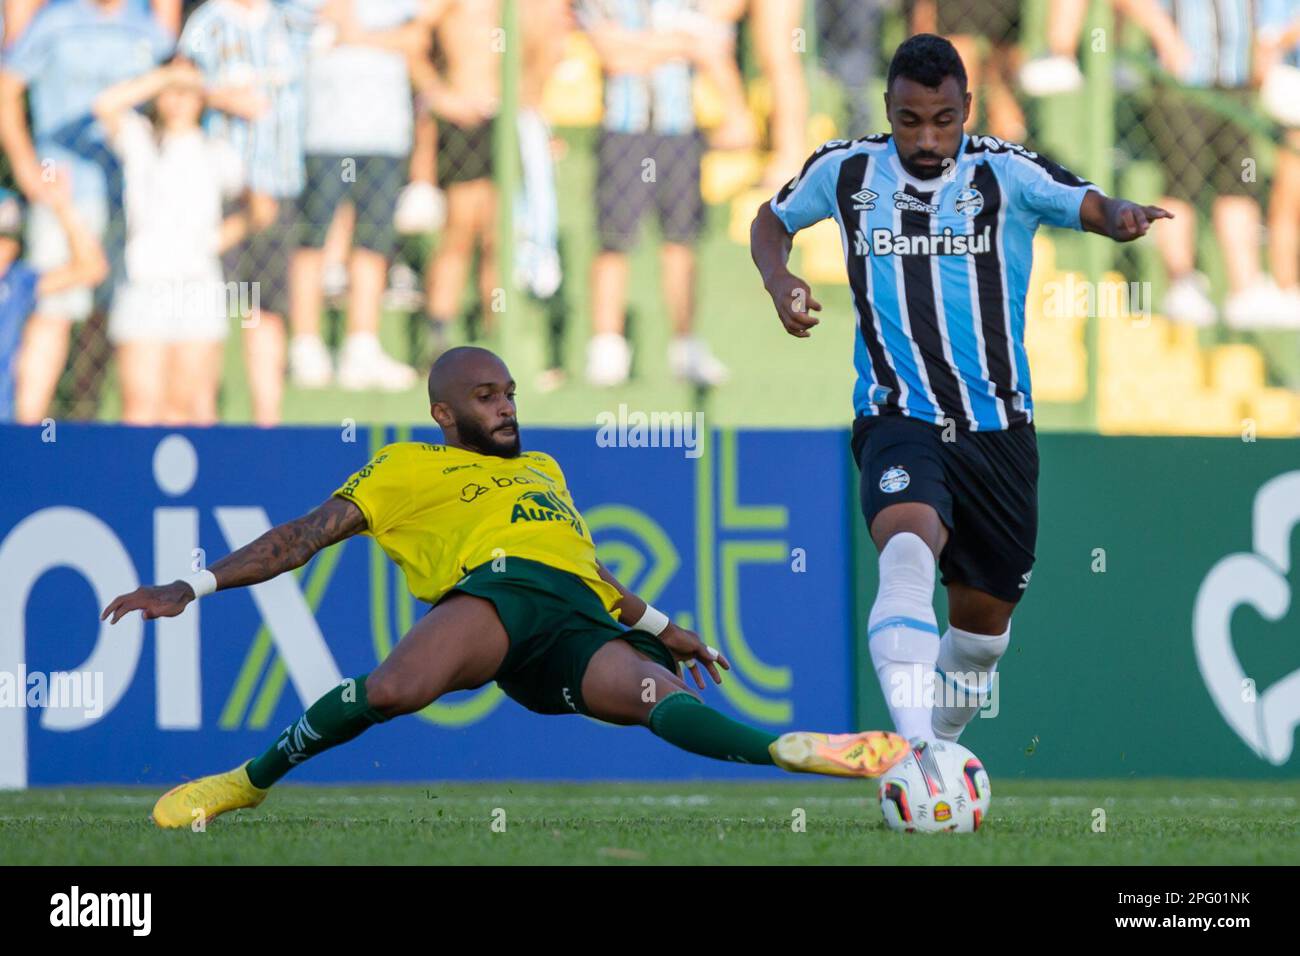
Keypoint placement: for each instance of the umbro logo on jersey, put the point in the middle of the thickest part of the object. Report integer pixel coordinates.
(864, 200)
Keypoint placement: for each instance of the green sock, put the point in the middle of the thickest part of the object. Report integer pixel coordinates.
(341, 714)
(684, 722)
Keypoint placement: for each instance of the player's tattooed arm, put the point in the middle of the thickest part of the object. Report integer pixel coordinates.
(1118, 219)
(685, 645)
(289, 545)
(283, 548)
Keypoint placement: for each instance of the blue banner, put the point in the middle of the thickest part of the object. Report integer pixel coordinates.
(726, 538)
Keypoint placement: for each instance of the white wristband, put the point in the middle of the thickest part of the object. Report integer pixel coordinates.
(201, 583)
(652, 621)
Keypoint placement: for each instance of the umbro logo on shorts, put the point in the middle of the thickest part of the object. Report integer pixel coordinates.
(1024, 580)
(894, 479)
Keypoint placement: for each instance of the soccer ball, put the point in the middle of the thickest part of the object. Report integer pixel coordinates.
(939, 787)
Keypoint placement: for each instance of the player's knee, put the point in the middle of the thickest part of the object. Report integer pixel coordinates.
(914, 517)
(625, 703)
(393, 694)
(665, 685)
(382, 693)
(981, 620)
(907, 560)
(663, 690)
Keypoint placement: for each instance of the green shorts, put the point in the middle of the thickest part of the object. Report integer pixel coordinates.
(555, 623)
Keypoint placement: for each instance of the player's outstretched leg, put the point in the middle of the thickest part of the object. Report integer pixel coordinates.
(459, 645)
(622, 686)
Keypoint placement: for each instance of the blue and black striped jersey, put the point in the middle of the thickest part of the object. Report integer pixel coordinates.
(938, 269)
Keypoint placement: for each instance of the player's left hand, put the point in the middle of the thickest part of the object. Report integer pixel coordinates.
(1129, 220)
(691, 651)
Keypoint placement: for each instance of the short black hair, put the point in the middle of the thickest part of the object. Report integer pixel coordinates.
(927, 59)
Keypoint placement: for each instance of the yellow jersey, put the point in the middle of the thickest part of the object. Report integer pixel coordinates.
(439, 511)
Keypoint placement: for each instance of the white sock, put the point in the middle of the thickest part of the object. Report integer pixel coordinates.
(902, 634)
(966, 665)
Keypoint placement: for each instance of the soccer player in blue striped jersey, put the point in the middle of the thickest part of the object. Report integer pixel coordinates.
(937, 229)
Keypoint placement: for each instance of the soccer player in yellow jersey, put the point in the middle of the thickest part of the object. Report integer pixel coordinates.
(489, 535)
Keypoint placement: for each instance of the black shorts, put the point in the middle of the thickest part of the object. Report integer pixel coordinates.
(370, 183)
(263, 257)
(1200, 150)
(464, 152)
(997, 21)
(625, 187)
(983, 484)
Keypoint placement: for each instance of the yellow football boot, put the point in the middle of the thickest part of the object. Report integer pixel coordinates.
(212, 795)
(866, 754)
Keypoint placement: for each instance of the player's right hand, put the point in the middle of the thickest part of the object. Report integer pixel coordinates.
(794, 304)
(166, 600)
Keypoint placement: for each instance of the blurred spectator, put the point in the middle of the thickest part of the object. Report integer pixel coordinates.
(538, 269)
(19, 13)
(21, 284)
(357, 139)
(462, 89)
(1279, 49)
(421, 205)
(1206, 46)
(1057, 70)
(16, 15)
(848, 35)
(714, 22)
(773, 25)
(68, 53)
(986, 34)
(648, 155)
(170, 318)
(250, 53)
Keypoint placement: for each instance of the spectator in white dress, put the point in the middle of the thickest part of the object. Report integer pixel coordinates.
(169, 319)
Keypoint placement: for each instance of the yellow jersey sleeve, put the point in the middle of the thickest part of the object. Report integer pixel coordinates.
(382, 488)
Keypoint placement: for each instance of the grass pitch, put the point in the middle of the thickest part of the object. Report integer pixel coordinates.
(1158, 822)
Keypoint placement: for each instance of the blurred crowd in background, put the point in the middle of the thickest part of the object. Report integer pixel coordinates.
(183, 179)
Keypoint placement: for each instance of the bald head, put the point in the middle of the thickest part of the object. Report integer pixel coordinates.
(472, 398)
(458, 369)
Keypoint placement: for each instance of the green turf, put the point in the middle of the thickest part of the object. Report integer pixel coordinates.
(1041, 822)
